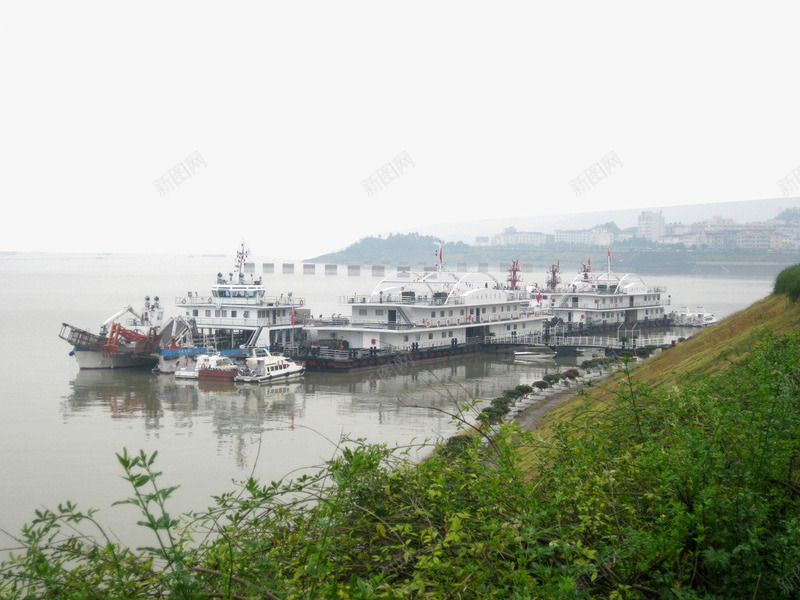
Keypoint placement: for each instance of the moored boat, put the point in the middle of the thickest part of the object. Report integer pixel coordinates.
(216, 367)
(189, 370)
(414, 316)
(694, 318)
(263, 367)
(602, 301)
(238, 314)
(128, 343)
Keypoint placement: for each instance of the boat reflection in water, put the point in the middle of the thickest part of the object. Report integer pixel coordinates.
(401, 402)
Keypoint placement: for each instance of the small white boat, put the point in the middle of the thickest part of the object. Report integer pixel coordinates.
(263, 367)
(544, 353)
(189, 369)
(694, 318)
(215, 367)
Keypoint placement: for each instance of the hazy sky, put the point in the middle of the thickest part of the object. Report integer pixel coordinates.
(300, 127)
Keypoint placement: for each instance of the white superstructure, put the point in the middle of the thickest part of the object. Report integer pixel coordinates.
(238, 312)
(604, 300)
(409, 311)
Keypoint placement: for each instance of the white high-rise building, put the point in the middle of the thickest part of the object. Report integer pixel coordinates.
(651, 226)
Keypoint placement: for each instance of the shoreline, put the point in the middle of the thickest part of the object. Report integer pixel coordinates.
(529, 417)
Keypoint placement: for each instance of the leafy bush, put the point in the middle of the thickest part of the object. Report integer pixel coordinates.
(788, 282)
(571, 374)
(690, 492)
(552, 378)
(523, 389)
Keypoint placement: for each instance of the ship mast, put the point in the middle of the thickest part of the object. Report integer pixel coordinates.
(553, 276)
(241, 257)
(439, 255)
(513, 275)
(586, 269)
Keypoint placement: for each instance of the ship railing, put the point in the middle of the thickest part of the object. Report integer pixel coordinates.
(425, 300)
(584, 341)
(81, 338)
(612, 307)
(265, 301)
(328, 321)
(601, 291)
(440, 322)
(248, 322)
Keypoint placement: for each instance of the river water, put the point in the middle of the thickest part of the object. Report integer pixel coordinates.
(60, 428)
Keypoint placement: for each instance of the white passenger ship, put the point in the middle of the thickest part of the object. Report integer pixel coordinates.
(421, 315)
(236, 316)
(604, 301)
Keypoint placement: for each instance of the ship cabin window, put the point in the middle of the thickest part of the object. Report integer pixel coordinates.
(233, 314)
(362, 312)
(194, 313)
(430, 336)
(433, 314)
(417, 337)
(405, 338)
(216, 313)
(461, 312)
(441, 313)
(471, 311)
(224, 313)
(444, 334)
(378, 312)
(246, 314)
(494, 309)
(449, 334)
(208, 313)
(483, 310)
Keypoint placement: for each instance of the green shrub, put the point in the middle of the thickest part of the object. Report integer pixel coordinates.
(788, 282)
(687, 492)
(523, 389)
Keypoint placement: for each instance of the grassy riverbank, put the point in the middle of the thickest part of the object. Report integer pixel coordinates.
(678, 479)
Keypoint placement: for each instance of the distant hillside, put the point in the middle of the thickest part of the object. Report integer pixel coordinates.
(417, 250)
(410, 249)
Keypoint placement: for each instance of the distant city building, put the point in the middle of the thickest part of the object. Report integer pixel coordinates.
(512, 237)
(651, 226)
(760, 239)
(719, 233)
(599, 236)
